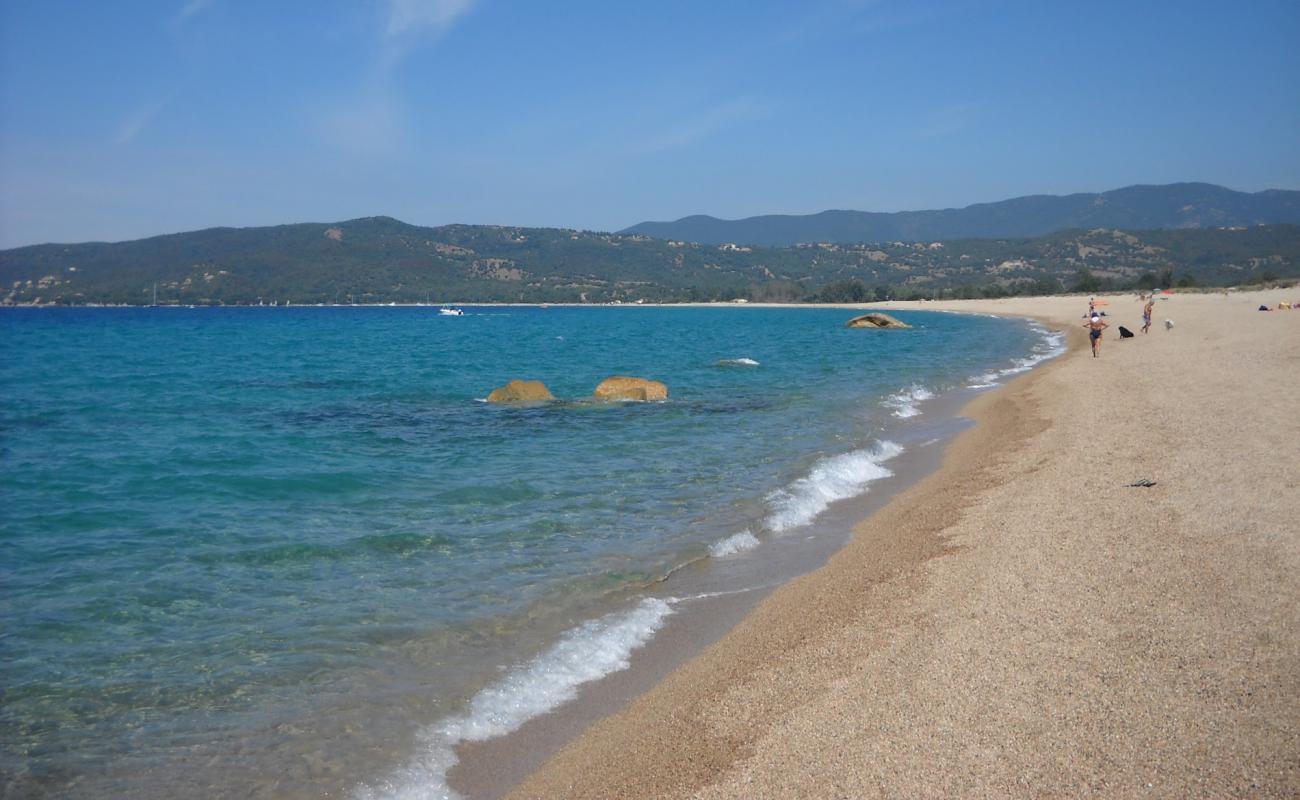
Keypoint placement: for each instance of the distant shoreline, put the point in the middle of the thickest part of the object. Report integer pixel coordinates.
(915, 305)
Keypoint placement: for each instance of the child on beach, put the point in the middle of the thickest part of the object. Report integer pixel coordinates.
(1096, 325)
(1146, 314)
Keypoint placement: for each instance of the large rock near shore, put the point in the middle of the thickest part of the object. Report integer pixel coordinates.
(521, 392)
(876, 320)
(622, 388)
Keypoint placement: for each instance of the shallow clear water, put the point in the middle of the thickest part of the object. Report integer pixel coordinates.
(261, 550)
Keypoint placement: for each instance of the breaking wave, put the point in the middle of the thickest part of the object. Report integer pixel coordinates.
(834, 478)
(586, 653)
(904, 402)
(1051, 346)
(736, 543)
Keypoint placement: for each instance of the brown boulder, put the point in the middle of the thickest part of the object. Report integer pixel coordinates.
(521, 392)
(876, 320)
(621, 388)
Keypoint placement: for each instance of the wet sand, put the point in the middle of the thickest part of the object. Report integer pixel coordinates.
(1021, 622)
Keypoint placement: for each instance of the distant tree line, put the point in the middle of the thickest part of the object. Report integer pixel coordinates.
(382, 260)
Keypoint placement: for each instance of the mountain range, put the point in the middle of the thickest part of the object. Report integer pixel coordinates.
(384, 260)
(1176, 205)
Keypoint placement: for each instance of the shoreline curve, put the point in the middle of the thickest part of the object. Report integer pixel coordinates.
(1006, 626)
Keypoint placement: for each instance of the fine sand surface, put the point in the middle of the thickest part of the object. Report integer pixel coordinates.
(1021, 623)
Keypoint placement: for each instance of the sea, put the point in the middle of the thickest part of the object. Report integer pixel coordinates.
(292, 552)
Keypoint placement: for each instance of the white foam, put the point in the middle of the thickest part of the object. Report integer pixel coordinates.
(711, 595)
(737, 362)
(1051, 346)
(586, 653)
(904, 402)
(831, 479)
(736, 543)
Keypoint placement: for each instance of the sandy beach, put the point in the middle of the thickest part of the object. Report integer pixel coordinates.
(1023, 622)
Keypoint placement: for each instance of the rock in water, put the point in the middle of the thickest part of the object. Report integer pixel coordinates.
(521, 392)
(621, 388)
(876, 320)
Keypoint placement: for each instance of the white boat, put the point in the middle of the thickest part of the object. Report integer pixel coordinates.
(451, 311)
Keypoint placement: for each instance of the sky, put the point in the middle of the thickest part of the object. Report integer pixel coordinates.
(125, 120)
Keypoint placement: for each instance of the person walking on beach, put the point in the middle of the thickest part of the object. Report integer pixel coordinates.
(1146, 314)
(1095, 326)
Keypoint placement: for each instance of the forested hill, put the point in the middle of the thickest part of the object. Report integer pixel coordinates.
(1177, 205)
(382, 260)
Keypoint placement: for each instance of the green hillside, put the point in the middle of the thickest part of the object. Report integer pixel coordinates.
(382, 260)
(1175, 205)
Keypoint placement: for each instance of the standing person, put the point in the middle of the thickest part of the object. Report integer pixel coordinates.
(1146, 314)
(1095, 326)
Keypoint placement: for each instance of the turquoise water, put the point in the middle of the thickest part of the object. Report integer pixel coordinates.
(267, 551)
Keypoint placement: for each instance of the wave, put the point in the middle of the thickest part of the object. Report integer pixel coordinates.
(736, 362)
(586, 653)
(736, 543)
(904, 402)
(831, 479)
(1051, 346)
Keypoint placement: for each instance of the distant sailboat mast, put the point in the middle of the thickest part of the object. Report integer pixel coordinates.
(155, 294)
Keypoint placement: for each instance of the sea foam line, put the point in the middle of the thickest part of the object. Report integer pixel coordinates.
(904, 402)
(736, 543)
(586, 653)
(834, 478)
(1051, 346)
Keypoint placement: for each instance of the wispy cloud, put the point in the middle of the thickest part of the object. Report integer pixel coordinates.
(705, 123)
(946, 120)
(191, 8)
(369, 125)
(435, 16)
(410, 23)
(371, 120)
(136, 122)
(881, 18)
(857, 18)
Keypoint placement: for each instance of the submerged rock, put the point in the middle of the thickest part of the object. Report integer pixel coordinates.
(876, 320)
(623, 388)
(521, 392)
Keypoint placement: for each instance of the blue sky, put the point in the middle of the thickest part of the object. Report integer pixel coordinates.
(124, 120)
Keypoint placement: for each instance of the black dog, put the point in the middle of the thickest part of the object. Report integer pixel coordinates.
(1125, 333)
